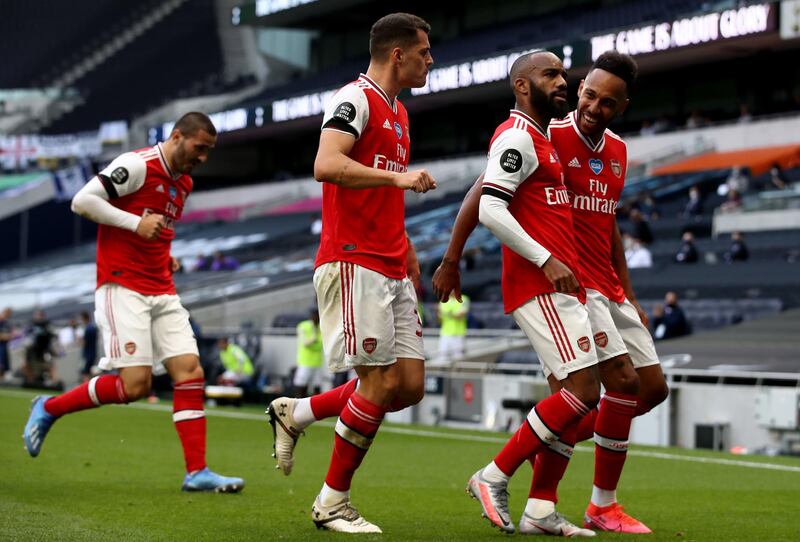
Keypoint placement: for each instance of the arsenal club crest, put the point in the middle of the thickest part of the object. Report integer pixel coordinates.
(130, 348)
(616, 168)
(369, 345)
(600, 338)
(584, 344)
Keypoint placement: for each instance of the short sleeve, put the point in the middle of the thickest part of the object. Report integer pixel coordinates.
(125, 175)
(347, 111)
(512, 159)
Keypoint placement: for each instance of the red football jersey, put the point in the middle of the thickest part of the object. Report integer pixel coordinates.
(595, 176)
(141, 183)
(523, 168)
(366, 226)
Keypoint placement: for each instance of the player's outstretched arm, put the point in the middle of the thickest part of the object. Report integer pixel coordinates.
(333, 165)
(447, 277)
(621, 267)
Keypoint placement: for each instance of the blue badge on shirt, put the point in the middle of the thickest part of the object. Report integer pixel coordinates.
(173, 192)
(597, 165)
(398, 130)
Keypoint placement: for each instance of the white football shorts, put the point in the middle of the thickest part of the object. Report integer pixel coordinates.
(365, 317)
(141, 329)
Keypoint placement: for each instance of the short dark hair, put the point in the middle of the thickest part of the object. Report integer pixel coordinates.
(619, 64)
(193, 122)
(395, 30)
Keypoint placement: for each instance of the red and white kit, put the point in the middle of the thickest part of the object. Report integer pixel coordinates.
(595, 176)
(523, 170)
(136, 306)
(367, 305)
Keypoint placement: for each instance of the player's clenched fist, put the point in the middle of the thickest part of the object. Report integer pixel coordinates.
(419, 181)
(560, 276)
(150, 226)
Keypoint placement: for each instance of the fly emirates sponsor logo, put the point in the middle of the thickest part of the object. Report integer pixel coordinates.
(556, 196)
(380, 161)
(595, 201)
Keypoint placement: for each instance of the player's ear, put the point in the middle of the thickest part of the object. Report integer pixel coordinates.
(396, 56)
(623, 107)
(522, 85)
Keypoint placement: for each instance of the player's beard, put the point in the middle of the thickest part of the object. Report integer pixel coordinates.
(541, 101)
(181, 159)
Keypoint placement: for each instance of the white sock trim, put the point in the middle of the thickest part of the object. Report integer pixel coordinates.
(539, 508)
(303, 415)
(329, 496)
(493, 474)
(541, 430)
(614, 445)
(93, 391)
(603, 497)
(183, 415)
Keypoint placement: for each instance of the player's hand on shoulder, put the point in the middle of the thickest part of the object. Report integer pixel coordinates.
(419, 181)
(560, 276)
(150, 226)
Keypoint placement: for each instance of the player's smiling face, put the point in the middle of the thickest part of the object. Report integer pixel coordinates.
(601, 97)
(415, 62)
(193, 150)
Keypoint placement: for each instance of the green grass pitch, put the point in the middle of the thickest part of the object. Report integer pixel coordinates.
(114, 474)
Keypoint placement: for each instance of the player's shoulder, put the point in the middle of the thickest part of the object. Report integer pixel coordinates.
(147, 153)
(614, 137)
(128, 164)
(355, 90)
(560, 124)
(514, 137)
(513, 132)
(138, 156)
(616, 142)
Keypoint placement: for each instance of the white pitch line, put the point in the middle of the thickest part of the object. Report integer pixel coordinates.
(463, 438)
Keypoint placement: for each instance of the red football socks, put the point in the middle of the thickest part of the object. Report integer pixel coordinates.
(331, 403)
(544, 424)
(611, 438)
(100, 390)
(355, 429)
(190, 421)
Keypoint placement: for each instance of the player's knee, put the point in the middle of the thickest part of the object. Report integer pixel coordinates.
(413, 394)
(196, 372)
(653, 396)
(136, 389)
(619, 376)
(391, 383)
(588, 393)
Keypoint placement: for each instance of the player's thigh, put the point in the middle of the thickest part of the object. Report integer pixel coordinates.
(330, 303)
(355, 307)
(407, 323)
(173, 338)
(636, 336)
(606, 337)
(559, 330)
(124, 319)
